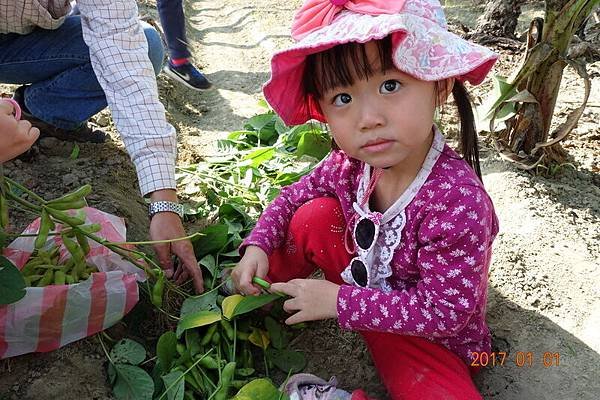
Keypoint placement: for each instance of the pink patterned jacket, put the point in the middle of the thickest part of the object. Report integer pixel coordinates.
(432, 255)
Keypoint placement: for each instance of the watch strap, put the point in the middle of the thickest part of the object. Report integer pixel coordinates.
(156, 207)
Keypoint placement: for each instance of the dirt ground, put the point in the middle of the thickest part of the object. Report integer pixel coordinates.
(544, 292)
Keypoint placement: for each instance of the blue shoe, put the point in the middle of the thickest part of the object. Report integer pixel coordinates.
(188, 75)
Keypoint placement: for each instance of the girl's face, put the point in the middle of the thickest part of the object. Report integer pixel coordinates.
(385, 120)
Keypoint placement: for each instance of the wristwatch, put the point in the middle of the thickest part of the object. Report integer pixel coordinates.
(165, 206)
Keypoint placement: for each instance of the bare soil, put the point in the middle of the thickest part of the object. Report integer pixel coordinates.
(544, 291)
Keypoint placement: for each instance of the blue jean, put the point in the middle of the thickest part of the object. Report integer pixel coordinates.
(172, 21)
(56, 64)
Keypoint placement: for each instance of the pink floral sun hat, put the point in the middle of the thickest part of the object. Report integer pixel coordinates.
(422, 47)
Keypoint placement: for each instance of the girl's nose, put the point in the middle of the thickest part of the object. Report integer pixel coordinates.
(371, 117)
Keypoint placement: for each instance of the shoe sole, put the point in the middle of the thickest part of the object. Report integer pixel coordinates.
(176, 77)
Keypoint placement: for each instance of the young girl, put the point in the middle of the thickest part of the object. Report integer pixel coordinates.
(399, 223)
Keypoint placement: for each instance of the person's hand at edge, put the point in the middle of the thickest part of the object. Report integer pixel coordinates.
(16, 136)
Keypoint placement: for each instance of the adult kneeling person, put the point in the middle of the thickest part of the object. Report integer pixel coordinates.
(71, 67)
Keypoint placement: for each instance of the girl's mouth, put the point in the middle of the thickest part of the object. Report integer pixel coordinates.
(377, 145)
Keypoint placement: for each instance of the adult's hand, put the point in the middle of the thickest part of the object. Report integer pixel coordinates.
(16, 136)
(311, 299)
(167, 226)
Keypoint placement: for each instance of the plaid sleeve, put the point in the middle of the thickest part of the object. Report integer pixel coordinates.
(119, 55)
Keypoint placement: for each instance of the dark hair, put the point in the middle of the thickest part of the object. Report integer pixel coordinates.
(343, 64)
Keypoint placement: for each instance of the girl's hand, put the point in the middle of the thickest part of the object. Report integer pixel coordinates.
(312, 299)
(254, 263)
(16, 136)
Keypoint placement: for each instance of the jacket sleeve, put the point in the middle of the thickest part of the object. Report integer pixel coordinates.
(271, 228)
(119, 57)
(453, 256)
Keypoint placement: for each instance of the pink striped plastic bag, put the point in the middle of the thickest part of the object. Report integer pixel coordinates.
(50, 317)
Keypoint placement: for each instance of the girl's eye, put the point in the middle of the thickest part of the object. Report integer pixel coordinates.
(342, 99)
(390, 86)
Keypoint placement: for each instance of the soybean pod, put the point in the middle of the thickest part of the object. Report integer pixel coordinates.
(73, 197)
(3, 211)
(45, 225)
(47, 278)
(158, 289)
(208, 335)
(59, 278)
(225, 382)
(73, 205)
(83, 242)
(208, 362)
(63, 216)
(228, 329)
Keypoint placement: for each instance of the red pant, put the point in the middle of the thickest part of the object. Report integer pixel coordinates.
(411, 368)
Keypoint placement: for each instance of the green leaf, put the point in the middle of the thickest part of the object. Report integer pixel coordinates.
(233, 227)
(258, 157)
(263, 103)
(192, 341)
(196, 319)
(314, 145)
(251, 303)
(234, 212)
(226, 146)
(235, 135)
(289, 361)
(229, 304)
(127, 351)
(112, 373)
(260, 389)
(259, 338)
(213, 239)
(258, 122)
(208, 261)
(279, 339)
(12, 284)
(166, 350)
(204, 302)
(245, 304)
(174, 384)
(133, 383)
(75, 152)
(501, 91)
(280, 126)
(292, 138)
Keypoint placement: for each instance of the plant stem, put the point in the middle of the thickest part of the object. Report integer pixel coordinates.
(193, 235)
(24, 189)
(104, 349)
(23, 202)
(184, 374)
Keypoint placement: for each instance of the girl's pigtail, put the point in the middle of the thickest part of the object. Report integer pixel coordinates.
(468, 133)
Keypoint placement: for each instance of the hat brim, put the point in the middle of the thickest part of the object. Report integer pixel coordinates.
(421, 48)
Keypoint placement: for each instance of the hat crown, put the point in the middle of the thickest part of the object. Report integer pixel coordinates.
(429, 9)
